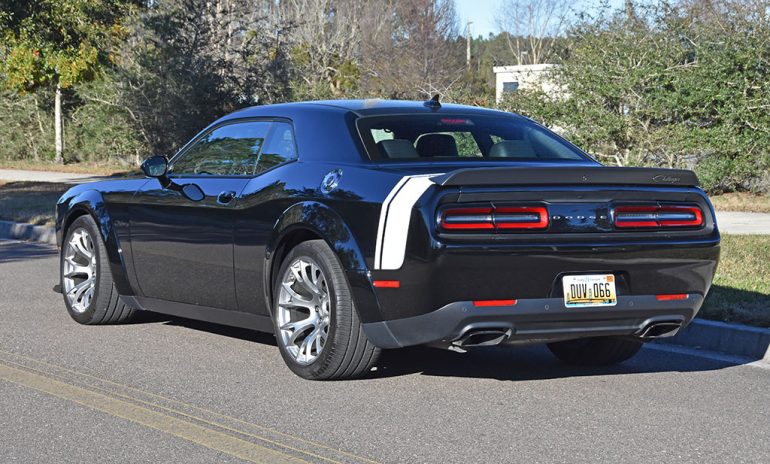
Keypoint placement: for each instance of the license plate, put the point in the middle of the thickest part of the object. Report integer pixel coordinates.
(589, 290)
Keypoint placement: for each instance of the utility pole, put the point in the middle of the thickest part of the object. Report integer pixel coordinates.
(468, 44)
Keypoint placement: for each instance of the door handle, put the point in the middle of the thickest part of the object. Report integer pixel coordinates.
(225, 197)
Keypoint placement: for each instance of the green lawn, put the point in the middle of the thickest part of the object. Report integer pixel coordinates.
(741, 290)
(741, 201)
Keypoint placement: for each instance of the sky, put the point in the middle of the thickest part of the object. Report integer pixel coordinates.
(482, 13)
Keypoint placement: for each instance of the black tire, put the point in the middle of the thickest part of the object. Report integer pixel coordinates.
(106, 306)
(595, 351)
(347, 353)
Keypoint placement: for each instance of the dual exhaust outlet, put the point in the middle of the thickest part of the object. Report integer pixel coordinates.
(490, 336)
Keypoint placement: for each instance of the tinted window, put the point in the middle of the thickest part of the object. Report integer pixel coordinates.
(228, 150)
(279, 147)
(462, 137)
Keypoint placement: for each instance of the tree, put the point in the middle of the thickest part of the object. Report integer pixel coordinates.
(669, 85)
(57, 44)
(413, 51)
(326, 44)
(531, 28)
(187, 62)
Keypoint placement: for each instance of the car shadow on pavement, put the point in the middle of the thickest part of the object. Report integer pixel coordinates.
(521, 363)
(24, 251)
(526, 363)
(149, 317)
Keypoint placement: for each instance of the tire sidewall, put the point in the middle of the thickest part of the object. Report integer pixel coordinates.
(326, 360)
(87, 223)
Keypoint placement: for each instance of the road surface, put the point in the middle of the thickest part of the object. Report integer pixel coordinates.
(173, 390)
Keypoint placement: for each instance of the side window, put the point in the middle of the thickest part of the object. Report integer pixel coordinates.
(279, 147)
(228, 150)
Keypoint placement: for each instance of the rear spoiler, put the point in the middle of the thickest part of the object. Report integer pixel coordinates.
(565, 175)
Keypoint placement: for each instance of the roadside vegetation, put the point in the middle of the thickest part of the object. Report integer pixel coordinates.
(743, 202)
(674, 83)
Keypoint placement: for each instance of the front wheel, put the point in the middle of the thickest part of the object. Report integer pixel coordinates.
(85, 278)
(595, 351)
(316, 324)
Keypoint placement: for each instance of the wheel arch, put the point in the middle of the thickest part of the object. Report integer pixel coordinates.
(313, 220)
(91, 202)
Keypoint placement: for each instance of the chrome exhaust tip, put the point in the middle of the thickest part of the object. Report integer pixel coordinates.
(660, 329)
(483, 337)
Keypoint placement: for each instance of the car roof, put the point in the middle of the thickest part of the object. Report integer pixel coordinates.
(370, 107)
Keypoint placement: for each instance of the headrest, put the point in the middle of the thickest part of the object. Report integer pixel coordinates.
(397, 148)
(512, 149)
(437, 145)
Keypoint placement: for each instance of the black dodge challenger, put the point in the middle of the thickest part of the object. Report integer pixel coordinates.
(349, 227)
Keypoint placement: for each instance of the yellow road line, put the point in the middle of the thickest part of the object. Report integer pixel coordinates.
(197, 408)
(187, 430)
(176, 412)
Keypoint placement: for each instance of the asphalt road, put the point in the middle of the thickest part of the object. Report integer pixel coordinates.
(173, 390)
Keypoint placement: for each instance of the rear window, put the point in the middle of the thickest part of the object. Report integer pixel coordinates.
(447, 137)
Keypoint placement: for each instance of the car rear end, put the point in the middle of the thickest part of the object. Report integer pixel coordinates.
(510, 261)
(534, 251)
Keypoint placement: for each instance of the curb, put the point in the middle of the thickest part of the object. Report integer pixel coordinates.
(721, 337)
(22, 231)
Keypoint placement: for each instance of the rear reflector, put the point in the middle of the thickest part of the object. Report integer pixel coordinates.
(495, 218)
(655, 216)
(675, 296)
(387, 283)
(481, 303)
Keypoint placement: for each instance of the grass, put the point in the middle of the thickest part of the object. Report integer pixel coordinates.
(30, 202)
(741, 290)
(741, 201)
(102, 169)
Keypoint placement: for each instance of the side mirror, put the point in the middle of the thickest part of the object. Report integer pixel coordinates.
(155, 166)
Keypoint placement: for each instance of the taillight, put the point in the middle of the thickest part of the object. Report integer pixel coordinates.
(655, 216)
(494, 218)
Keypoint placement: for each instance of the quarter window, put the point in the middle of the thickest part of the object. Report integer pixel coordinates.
(279, 147)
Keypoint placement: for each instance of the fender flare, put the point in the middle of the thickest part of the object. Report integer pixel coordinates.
(324, 222)
(92, 203)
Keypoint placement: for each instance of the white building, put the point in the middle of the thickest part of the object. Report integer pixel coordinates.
(526, 76)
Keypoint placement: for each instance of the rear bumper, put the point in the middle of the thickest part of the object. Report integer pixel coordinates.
(533, 320)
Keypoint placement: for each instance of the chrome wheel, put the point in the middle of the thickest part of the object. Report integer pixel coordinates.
(304, 310)
(79, 270)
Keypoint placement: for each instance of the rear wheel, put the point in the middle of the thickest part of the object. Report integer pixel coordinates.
(85, 278)
(316, 324)
(595, 351)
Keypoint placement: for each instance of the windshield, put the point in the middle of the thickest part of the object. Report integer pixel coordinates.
(444, 137)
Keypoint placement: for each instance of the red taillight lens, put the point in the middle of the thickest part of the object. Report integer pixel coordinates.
(489, 218)
(671, 297)
(658, 216)
(387, 283)
(485, 303)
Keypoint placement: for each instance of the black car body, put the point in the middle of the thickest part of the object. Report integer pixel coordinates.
(435, 246)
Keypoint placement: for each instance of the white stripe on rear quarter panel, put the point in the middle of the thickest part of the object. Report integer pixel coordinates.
(395, 217)
(383, 215)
